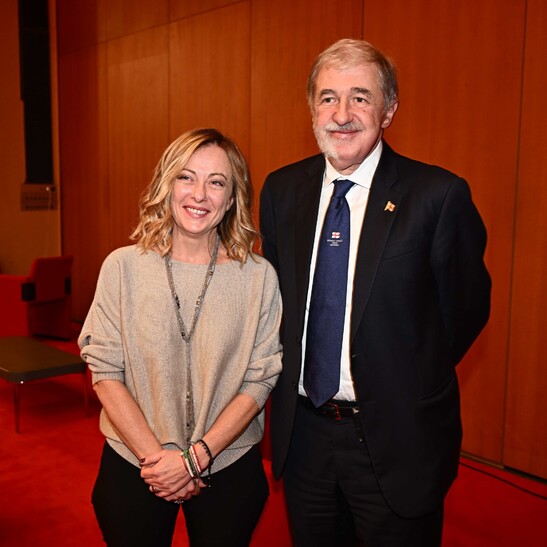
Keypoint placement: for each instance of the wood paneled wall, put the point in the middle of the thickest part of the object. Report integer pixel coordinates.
(210, 84)
(135, 74)
(525, 426)
(137, 80)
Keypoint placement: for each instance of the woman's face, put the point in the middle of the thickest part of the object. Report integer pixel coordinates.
(202, 193)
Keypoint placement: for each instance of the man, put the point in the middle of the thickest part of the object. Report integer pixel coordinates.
(378, 311)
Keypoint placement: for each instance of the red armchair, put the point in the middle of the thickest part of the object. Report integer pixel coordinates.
(40, 303)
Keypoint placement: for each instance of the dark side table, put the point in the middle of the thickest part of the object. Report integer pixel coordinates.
(24, 359)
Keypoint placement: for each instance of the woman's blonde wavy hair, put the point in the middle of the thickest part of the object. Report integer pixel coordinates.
(236, 229)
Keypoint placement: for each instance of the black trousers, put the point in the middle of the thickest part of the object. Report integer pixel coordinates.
(332, 494)
(226, 513)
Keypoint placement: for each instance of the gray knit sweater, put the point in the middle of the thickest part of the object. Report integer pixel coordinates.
(131, 334)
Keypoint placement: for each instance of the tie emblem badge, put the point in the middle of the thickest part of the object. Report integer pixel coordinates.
(335, 239)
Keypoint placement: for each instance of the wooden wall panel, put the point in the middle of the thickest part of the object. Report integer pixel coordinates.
(210, 72)
(138, 122)
(459, 69)
(287, 36)
(526, 420)
(83, 155)
(124, 17)
(80, 24)
(182, 8)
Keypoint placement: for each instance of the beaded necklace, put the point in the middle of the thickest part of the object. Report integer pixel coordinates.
(187, 334)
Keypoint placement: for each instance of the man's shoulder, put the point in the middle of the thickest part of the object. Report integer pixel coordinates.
(410, 167)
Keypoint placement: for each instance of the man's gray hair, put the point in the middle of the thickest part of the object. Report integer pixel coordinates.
(349, 53)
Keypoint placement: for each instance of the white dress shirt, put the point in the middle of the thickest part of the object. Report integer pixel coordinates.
(357, 199)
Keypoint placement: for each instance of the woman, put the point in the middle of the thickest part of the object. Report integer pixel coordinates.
(182, 342)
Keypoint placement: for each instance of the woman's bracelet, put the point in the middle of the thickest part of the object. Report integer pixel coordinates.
(207, 451)
(194, 459)
(189, 464)
(191, 460)
(203, 444)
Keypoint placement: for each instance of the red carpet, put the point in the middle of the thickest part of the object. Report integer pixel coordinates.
(48, 472)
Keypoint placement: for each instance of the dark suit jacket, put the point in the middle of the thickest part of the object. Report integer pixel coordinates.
(421, 296)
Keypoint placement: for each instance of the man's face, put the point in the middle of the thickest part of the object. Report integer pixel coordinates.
(349, 115)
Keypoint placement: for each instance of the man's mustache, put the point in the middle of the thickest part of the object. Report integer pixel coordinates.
(348, 127)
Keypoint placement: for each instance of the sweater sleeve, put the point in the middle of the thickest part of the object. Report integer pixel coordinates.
(265, 365)
(100, 340)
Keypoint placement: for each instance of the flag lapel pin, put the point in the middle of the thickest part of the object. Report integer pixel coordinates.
(390, 206)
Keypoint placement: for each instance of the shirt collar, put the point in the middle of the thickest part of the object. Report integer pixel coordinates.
(362, 175)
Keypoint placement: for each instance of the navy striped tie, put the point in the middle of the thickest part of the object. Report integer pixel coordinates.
(328, 301)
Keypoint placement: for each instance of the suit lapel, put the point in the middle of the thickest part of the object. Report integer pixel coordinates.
(307, 205)
(374, 234)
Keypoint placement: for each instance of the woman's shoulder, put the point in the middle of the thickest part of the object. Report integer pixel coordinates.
(257, 262)
(258, 265)
(130, 255)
